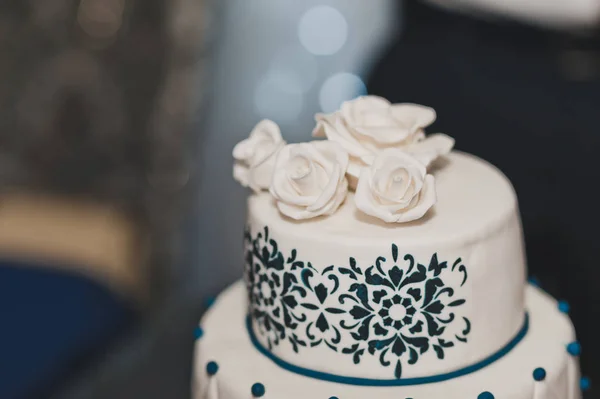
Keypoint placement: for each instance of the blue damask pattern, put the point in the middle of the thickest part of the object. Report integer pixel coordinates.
(396, 309)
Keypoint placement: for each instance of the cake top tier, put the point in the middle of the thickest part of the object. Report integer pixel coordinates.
(473, 198)
(350, 295)
(418, 273)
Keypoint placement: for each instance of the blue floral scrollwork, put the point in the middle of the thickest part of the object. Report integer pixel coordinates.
(395, 309)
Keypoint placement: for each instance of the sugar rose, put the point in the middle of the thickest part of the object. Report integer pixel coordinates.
(309, 179)
(366, 126)
(255, 156)
(395, 188)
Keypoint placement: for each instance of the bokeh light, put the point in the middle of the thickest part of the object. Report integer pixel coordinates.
(297, 62)
(278, 96)
(323, 30)
(339, 88)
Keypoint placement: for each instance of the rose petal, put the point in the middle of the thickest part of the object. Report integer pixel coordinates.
(324, 122)
(317, 190)
(352, 175)
(334, 203)
(293, 211)
(399, 183)
(376, 196)
(418, 136)
(432, 147)
(282, 190)
(383, 170)
(381, 179)
(281, 187)
(413, 116)
(385, 135)
(301, 213)
(408, 202)
(339, 198)
(264, 133)
(255, 156)
(353, 111)
(334, 153)
(341, 134)
(243, 150)
(240, 174)
(261, 175)
(426, 200)
(328, 191)
(334, 128)
(302, 176)
(397, 157)
(364, 103)
(367, 203)
(368, 159)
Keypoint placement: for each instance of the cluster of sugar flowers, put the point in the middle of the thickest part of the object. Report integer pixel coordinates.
(373, 147)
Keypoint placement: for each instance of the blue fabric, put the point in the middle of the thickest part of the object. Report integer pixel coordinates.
(51, 324)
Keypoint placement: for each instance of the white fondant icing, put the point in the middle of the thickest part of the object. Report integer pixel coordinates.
(227, 342)
(369, 124)
(574, 389)
(395, 188)
(255, 156)
(483, 230)
(309, 179)
(209, 389)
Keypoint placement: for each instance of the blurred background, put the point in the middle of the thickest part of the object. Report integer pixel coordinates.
(284, 61)
(117, 123)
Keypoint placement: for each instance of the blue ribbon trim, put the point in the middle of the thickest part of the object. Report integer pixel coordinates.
(389, 383)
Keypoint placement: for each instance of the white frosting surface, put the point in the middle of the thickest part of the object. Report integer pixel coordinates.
(475, 219)
(474, 198)
(226, 342)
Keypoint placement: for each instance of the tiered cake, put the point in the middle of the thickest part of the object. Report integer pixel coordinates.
(379, 264)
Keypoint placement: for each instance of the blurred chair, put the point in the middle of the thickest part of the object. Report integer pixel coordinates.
(97, 102)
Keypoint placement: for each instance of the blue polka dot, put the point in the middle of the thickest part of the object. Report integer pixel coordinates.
(539, 374)
(210, 301)
(258, 390)
(485, 395)
(212, 368)
(534, 281)
(574, 348)
(585, 383)
(198, 332)
(564, 307)
(333, 397)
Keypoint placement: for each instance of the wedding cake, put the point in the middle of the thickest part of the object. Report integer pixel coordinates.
(381, 264)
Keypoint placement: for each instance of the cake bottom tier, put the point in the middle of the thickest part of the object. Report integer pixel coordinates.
(229, 366)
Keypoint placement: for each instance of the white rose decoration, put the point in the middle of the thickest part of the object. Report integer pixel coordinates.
(396, 188)
(309, 179)
(368, 125)
(255, 156)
